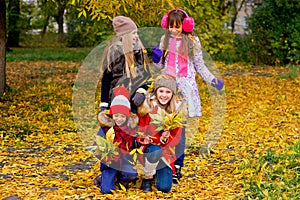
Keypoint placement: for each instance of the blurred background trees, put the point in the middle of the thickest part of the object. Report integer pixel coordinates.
(258, 31)
(274, 32)
(13, 28)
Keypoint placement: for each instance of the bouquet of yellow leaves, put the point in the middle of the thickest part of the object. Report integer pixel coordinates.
(165, 121)
(106, 148)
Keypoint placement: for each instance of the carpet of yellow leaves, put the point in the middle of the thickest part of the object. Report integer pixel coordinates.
(50, 161)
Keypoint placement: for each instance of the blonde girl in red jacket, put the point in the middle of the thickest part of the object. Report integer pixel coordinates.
(158, 146)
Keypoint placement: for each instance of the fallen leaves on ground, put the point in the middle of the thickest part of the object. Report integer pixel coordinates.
(48, 160)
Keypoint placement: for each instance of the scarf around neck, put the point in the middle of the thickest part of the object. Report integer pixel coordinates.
(182, 59)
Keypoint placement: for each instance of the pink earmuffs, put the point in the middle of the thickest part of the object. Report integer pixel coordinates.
(187, 25)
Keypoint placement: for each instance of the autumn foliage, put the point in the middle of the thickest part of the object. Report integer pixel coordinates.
(256, 157)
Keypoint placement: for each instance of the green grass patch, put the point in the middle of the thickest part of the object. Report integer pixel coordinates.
(274, 176)
(291, 73)
(49, 54)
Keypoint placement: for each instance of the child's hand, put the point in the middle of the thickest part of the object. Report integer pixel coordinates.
(166, 134)
(217, 83)
(146, 141)
(156, 54)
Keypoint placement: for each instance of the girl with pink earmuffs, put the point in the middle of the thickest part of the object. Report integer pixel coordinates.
(179, 55)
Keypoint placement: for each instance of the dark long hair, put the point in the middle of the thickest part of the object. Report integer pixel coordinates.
(177, 17)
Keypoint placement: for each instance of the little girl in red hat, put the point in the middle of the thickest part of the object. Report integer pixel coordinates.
(118, 128)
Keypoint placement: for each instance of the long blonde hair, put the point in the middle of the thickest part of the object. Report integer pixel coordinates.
(125, 41)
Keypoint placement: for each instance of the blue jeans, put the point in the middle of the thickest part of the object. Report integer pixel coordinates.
(153, 153)
(101, 132)
(109, 176)
(122, 171)
(164, 176)
(179, 149)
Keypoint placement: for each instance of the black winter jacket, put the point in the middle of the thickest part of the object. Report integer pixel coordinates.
(115, 75)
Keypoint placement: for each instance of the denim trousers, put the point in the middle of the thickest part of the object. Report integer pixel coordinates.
(122, 171)
(110, 175)
(164, 176)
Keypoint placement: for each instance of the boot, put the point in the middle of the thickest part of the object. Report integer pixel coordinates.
(178, 171)
(147, 185)
(126, 183)
(177, 176)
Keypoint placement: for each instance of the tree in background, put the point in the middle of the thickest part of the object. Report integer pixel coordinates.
(275, 32)
(13, 31)
(141, 12)
(2, 46)
(237, 6)
(91, 21)
(59, 16)
(83, 31)
(209, 16)
(56, 9)
(210, 19)
(45, 11)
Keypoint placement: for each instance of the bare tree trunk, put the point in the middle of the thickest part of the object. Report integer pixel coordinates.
(13, 30)
(60, 21)
(236, 12)
(46, 23)
(2, 46)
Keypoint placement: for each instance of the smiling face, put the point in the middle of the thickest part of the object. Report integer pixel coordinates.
(175, 29)
(119, 119)
(164, 95)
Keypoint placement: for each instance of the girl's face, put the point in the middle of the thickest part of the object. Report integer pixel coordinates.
(119, 118)
(135, 37)
(175, 29)
(164, 95)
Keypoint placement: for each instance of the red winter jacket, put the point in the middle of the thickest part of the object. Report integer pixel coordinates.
(124, 136)
(168, 147)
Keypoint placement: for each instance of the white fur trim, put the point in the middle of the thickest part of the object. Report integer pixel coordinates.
(142, 91)
(103, 104)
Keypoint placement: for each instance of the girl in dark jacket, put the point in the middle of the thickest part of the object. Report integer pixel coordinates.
(124, 62)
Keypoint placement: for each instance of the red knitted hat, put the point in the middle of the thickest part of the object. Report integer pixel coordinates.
(120, 103)
(121, 90)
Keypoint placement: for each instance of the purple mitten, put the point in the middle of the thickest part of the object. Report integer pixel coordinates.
(217, 83)
(156, 54)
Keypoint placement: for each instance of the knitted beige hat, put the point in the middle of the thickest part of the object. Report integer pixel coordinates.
(123, 25)
(167, 82)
